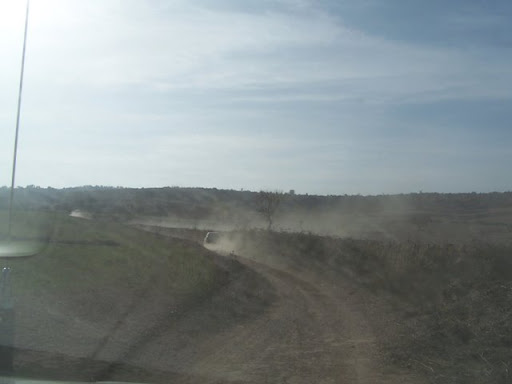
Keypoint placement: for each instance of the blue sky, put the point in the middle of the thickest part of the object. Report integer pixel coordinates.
(326, 97)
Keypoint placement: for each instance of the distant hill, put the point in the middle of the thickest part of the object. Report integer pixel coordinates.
(430, 216)
(201, 202)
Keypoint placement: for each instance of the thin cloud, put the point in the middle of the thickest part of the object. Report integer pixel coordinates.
(276, 92)
(193, 48)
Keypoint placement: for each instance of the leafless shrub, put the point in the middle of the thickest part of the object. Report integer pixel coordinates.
(267, 204)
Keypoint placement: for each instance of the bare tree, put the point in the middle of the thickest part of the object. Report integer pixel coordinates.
(268, 202)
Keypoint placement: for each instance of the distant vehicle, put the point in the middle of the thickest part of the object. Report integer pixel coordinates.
(212, 238)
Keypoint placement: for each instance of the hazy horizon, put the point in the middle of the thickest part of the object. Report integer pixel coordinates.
(295, 192)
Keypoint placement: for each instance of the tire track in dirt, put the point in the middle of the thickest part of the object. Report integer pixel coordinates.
(315, 331)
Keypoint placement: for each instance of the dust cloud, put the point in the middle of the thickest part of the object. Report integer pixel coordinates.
(80, 214)
(383, 219)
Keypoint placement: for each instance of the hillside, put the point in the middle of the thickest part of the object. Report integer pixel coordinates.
(442, 310)
(98, 291)
(424, 279)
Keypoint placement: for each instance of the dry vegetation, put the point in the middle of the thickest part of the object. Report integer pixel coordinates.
(99, 291)
(452, 304)
(443, 262)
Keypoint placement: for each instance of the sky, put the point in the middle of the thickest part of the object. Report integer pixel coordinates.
(319, 96)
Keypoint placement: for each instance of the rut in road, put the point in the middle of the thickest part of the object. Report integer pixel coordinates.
(313, 332)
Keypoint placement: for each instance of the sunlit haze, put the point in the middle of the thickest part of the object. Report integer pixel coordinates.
(326, 97)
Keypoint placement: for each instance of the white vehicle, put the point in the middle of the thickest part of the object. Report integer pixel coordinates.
(212, 238)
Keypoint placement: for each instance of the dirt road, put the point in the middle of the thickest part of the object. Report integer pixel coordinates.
(266, 326)
(313, 332)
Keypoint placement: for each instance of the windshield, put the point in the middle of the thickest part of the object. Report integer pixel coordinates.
(250, 191)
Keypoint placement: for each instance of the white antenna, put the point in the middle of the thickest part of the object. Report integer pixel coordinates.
(12, 247)
(13, 178)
